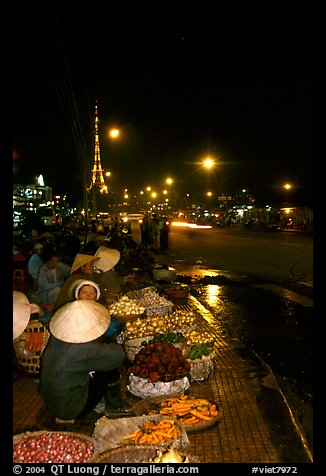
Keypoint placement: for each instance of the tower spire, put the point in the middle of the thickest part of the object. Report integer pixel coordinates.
(97, 171)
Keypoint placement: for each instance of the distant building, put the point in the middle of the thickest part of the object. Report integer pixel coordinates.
(32, 193)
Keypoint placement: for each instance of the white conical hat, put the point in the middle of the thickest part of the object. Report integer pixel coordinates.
(108, 258)
(21, 313)
(80, 260)
(80, 321)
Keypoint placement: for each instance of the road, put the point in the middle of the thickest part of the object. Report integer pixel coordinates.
(277, 255)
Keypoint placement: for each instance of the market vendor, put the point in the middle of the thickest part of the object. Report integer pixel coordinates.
(98, 268)
(89, 290)
(82, 268)
(77, 368)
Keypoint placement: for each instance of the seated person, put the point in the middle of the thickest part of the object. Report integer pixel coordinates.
(51, 277)
(78, 369)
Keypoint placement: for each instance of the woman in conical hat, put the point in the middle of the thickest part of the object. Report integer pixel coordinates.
(110, 281)
(78, 369)
(82, 268)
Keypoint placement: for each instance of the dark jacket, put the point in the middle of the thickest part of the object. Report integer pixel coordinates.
(65, 368)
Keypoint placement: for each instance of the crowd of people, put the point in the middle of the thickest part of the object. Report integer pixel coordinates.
(71, 284)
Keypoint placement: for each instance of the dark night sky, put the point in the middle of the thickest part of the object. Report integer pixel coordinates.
(237, 85)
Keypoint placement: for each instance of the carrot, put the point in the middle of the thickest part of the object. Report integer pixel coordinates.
(200, 415)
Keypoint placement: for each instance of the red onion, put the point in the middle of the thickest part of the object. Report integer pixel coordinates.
(52, 448)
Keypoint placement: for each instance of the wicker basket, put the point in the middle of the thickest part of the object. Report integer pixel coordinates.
(136, 454)
(133, 346)
(177, 293)
(128, 317)
(151, 405)
(112, 433)
(85, 438)
(29, 347)
(201, 369)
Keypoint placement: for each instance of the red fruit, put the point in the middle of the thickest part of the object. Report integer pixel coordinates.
(171, 368)
(154, 376)
(143, 372)
(165, 358)
(160, 369)
(135, 369)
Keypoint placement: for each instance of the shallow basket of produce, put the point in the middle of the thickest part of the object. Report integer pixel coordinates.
(162, 431)
(193, 413)
(54, 447)
(133, 346)
(145, 454)
(126, 317)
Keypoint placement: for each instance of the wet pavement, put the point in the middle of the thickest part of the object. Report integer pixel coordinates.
(268, 323)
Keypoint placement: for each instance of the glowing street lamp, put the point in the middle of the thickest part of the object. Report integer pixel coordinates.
(208, 163)
(114, 133)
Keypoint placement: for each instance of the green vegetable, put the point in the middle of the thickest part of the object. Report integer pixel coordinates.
(197, 351)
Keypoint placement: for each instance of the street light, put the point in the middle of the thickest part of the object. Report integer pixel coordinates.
(209, 163)
(114, 133)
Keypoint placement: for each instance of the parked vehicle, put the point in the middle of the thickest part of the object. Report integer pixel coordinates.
(49, 216)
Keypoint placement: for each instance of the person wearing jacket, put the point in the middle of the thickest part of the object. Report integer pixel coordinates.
(51, 277)
(77, 368)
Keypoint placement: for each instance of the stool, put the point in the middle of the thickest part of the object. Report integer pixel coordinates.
(19, 274)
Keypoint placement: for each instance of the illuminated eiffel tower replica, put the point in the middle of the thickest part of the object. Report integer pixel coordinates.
(98, 186)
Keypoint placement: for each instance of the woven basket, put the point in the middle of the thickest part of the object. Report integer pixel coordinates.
(85, 438)
(133, 346)
(128, 317)
(201, 369)
(29, 347)
(111, 433)
(151, 405)
(177, 293)
(135, 454)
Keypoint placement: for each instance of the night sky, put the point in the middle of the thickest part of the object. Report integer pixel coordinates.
(237, 86)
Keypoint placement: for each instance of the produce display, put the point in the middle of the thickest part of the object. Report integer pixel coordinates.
(198, 351)
(188, 410)
(145, 327)
(179, 320)
(53, 448)
(153, 302)
(198, 337)
(154, 433)
(126, 306)
(169, 337)
(143, 387)
(160, 361)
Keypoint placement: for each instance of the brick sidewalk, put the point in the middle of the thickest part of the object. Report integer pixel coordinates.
(240, 437)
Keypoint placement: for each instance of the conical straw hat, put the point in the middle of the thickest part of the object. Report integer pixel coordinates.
(108, 258)
(21, 313)
(80, 321)
(80, 260)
